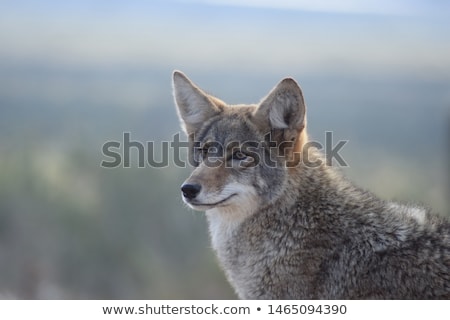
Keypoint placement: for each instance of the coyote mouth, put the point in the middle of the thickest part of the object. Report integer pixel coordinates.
(215, 204)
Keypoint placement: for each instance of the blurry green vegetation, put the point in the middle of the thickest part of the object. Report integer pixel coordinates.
(70, 229)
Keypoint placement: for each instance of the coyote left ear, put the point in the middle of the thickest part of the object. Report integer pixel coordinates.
(283, 109)
(193, 105)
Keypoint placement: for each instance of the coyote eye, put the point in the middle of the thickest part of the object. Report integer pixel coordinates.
(201, 153)
(238, 155)
(204, 153)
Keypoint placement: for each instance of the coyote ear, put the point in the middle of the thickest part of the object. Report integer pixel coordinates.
(284, 109)
(193, 105)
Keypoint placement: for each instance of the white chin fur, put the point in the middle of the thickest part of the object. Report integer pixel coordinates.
(223, 220)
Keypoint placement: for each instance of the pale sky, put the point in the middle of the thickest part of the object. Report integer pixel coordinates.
(345, 35)
(397, 7)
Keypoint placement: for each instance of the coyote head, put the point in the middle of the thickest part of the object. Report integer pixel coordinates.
(242, 153)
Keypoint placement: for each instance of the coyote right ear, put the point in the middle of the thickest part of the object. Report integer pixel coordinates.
(283, 109)
(193, 105)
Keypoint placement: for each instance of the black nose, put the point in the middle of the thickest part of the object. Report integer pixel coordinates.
(190, 191)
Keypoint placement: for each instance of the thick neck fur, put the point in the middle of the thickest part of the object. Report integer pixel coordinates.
(304, 189)
(290, 218)
(321, 229)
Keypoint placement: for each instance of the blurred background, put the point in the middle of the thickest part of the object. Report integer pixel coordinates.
(76, 74)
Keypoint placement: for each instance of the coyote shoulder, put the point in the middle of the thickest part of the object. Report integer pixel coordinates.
(285, 224)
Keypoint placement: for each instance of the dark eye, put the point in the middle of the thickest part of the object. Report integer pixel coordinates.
(201, 153)
(238, 155)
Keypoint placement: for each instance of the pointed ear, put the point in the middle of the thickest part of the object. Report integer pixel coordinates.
(193, 105)
(284, 108)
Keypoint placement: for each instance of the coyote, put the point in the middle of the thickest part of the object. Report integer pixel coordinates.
(284, 223)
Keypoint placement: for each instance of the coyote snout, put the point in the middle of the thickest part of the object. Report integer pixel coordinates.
(216, 187)
(283, 229)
